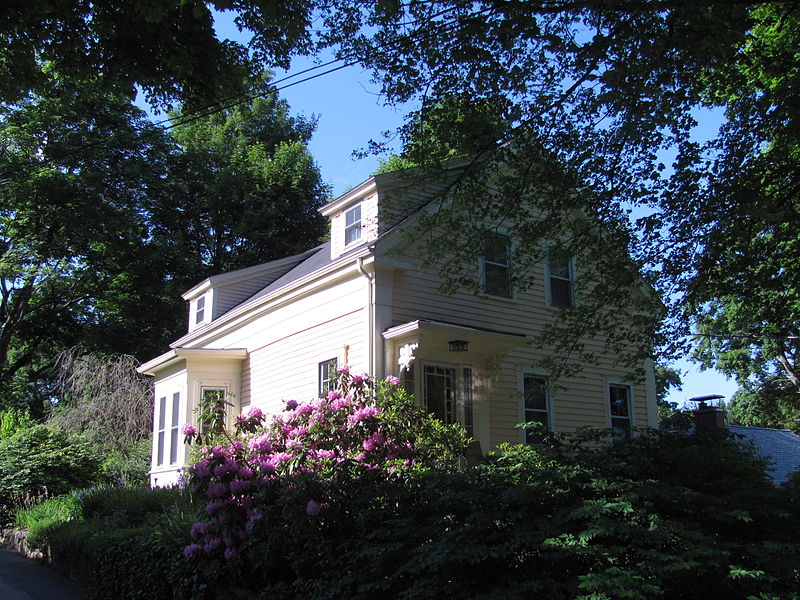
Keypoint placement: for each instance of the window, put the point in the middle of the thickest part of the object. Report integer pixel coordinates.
(561, 279)
(327, 373)
(496, 273)
(173, 437)
(200, 310)
(161, 432)
(469, 420)
(536, 404)
(439, 391)
(619, 398)
(352, 225)
(218, 397)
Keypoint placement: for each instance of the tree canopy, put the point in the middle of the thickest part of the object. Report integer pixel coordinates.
(103, 213)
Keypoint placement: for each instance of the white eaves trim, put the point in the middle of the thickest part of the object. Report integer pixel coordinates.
(260, 305)
(167, 359)
(360, 191)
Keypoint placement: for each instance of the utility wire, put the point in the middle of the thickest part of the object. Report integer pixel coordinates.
(255, 92)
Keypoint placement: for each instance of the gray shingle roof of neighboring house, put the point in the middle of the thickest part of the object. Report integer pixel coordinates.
(780, 446)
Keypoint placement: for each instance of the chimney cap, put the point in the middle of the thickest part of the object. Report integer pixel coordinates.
(706, 398)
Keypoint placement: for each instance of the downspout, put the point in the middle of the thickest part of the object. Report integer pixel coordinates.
(370, 314)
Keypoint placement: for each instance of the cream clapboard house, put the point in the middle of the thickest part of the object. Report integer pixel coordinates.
(277, 331)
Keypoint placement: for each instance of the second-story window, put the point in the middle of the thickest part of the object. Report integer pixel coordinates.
(200, 310)
(352, 225)
(496, 274)
(561, 279)
(327, 375)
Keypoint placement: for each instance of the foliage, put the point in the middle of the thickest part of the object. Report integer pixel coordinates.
(147, 214)
(770, 404)
(46, 458)
(103, 398)
(12, 420)
(131, 468)
(360, 426)
(646, 519)
(245, 189)
(45, 516)
(183, 58)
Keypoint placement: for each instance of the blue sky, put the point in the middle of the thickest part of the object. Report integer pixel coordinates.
(350, 112)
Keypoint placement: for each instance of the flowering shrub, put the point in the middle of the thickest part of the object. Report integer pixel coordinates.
(361, 426)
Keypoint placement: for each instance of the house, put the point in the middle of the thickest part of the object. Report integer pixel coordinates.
(780, 447)
(277, 331)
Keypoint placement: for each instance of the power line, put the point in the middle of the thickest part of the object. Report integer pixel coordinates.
(346, 61)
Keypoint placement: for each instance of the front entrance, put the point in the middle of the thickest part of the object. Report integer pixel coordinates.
(447, 396)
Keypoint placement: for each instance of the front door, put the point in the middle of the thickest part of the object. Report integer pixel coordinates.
(439, 391)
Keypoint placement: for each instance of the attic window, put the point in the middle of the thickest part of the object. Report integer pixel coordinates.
(200, 310)
(352, 225)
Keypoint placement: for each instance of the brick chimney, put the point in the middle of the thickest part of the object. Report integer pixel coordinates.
(708, 418)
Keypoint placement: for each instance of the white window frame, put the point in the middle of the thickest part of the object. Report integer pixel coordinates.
(548, 399)
(484, 261)
(199, 310)
(549, 276)
(175, 455)
(356, 226)
(321, 380)
(213, 386)
(161, 430)
(631, 414)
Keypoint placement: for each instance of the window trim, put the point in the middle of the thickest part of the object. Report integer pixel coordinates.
(210, 386)
(199, 310)
(507, 266)
(174, 432)
(161, 430)
(460, 404)
(355, 225)
(324, 384)
(631, 414)
(549, 278)
(523, 373)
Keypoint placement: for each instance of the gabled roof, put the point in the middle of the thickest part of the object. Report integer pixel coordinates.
(780, 446)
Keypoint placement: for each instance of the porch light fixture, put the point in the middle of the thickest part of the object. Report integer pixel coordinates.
(458, 345)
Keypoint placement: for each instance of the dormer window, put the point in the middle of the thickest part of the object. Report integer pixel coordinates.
(200, 310)
(352, 225)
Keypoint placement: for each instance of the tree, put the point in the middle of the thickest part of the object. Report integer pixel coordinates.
(102, 213)
(602, 93)
(103, 398)
(245, 190)
(168, 48)
(771, 403)
(80, 167)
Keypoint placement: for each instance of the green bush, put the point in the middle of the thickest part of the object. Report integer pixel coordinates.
(12, 420)
(45, 458)
(130, 469)
(43, 517)
(129, 505)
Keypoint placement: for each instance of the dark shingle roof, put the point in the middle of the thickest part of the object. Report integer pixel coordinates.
(780, 446)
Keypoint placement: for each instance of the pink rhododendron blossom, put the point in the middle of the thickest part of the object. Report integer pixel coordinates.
(392, 380)
(200, 470)
(200, 529)
(239, 486)
(334, 395)
(267, 465)
(215, 490)
(344, 369)
(189, 429)
(357, 379)
(255, 413)
(291, 404)
(261, 444)
(363, 413)
(213, 507)
(192, 549)
(245, 472)
(219, 451)
(312, 508)
(230, 553)
(212, 544)
(281, 457)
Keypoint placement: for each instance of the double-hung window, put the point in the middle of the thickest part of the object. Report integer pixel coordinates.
(496, 276)
(352, 225)
(327, 375)
(619, 399)
(536, 403)
(161, 432)
(167, 431)
(200, 310)
(561, 274)
(174, 425)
